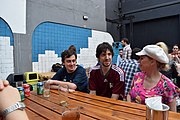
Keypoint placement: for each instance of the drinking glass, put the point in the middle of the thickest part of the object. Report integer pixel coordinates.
(71, 112)
(46, 87)
(63, 95)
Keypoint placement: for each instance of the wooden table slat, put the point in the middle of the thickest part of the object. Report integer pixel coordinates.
(33, 115)
(41, 111)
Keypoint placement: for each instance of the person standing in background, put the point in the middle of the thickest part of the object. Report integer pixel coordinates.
(119, 57)
(178, 63)
(178, 69)
(130, 67)
(174, 55)
(178, 57)
(127, 51)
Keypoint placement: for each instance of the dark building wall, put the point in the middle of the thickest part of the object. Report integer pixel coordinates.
(153, 21)
(112, 13)
(68, 12)
(152, 31)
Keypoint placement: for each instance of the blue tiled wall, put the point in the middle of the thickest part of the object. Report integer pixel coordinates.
(6, 31)
(58, 37)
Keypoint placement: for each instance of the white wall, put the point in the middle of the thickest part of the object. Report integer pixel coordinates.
(6, 61)
(87, 56)
(14, 13)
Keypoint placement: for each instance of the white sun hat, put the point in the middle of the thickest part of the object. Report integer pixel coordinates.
(154, 52)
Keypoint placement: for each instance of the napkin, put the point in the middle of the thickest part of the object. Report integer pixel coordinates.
(154, 103)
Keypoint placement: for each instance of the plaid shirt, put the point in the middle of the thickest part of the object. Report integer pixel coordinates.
(127, 51)
(130, 67)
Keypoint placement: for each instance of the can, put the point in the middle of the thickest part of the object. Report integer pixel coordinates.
(21, 92)
(26, 90)
(40, 88)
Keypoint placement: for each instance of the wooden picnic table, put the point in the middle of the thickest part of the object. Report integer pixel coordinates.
(91, 107)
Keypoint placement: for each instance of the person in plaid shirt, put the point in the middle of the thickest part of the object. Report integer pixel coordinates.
(130, 67)
(127, 51)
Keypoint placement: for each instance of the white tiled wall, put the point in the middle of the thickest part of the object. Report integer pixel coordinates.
(86, 58)
(87, 55)
(6, 60)
(46, 61)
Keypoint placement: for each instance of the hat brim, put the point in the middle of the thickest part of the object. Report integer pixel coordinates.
(142, 52)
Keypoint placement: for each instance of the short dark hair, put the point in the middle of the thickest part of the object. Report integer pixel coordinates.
(103, 47)
(125, 40)
(134, 51)
(67, 54)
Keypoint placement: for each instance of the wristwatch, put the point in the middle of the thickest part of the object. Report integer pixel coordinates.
(16, 106)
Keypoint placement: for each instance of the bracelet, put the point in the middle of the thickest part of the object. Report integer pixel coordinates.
(16, 106)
